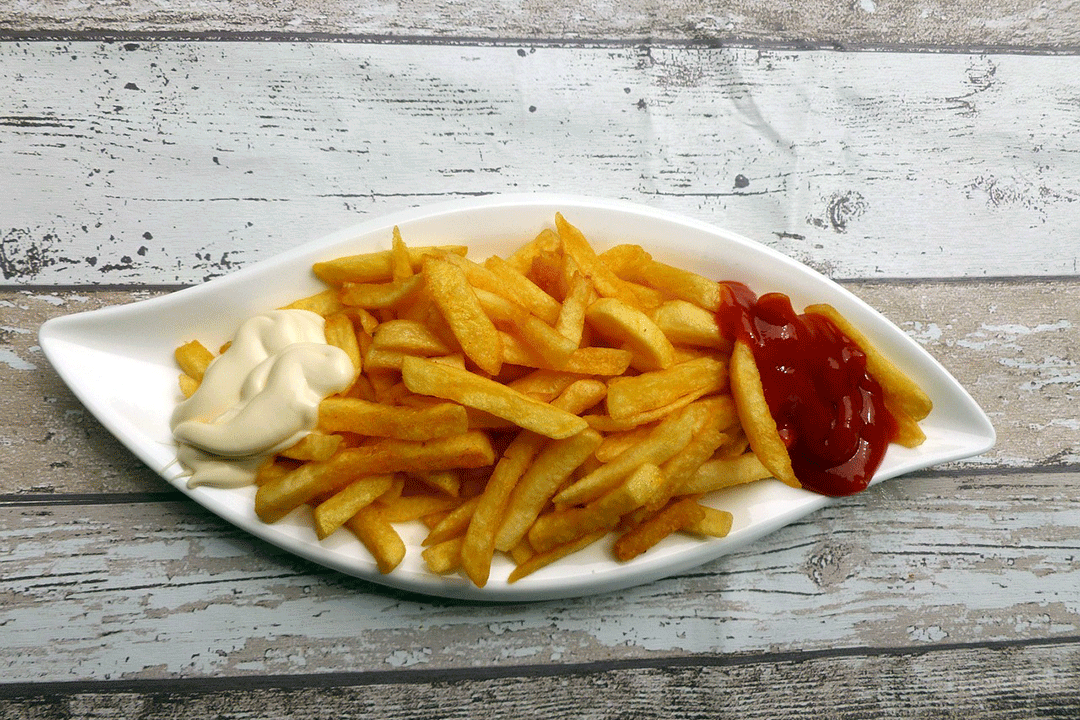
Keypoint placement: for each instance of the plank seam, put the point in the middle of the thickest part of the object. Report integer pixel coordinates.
(710, 43)
(449, 676)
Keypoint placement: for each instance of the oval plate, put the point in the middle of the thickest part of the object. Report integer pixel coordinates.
(119, 362)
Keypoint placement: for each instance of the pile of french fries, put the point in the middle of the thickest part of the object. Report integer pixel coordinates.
(528, 405)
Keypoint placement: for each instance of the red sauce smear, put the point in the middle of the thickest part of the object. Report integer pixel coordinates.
(830, 412)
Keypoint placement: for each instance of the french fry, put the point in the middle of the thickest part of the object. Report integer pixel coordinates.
(454, 524)
(578, 297)
(380, 296)
(627, 325)
(379, 537)
(404, 423)
(592, 360)
(632, 395)
(713, 523)
(551, 468)
(901, 392)
(756, 418)
(341, 334)
(685, 323)
(517, 287)
(667, 439)
(673, 281)
(444, 557)
(409, 337)
(675, 516)
(430, 378)
(546, 241)
(375, 267)
(554, 347)
(188, 385)
(607, 283)
(720, 473)
(603, 513)
(400, 262)
(543, 559)
(193, 359)
(332, 513)
(457, 302)
(479, 545)
(323, 303)
(314, 446)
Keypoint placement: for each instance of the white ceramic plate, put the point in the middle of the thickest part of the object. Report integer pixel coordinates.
(119, 362)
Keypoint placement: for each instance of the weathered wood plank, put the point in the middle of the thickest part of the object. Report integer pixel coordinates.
(1012, 344)
(982, 23)
(1006, 683)
(175, 161)
(165, 590)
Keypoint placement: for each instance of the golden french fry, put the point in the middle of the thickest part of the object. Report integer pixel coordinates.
(545, 242)
(592, 360)
(544, 385)
(193, 359)
(578, 297)
(756, 418)
(375, 267)
(516, 286)
(901, 392)
(454, 524)
(667, 439)
(714, 523)
(323, 303)
(409, 337)
(448, 482)
(379, 537)
(603, 513)
(379, 296)
(553, 346)
(582, 395)
(188, 385)
(332, 513)
(404, 508)
(430, 378)
(607, 283)
(543, 559)
(550, 469)
(632, 395)
(400, 262)
(314, 446)
(625, 324)
(444, 557)
(685, 323)
(340, 333)
(619, 441)
(720, 473)
(479, 545)
(457, 302)
(673, 281)
(679, 469)
(675, 516)
(404, 423)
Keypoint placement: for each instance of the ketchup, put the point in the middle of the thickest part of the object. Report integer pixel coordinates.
(829, 411)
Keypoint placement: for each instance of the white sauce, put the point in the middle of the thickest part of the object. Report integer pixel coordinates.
(260, 396)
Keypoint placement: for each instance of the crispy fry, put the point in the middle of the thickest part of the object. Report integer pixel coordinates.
(379, 537)
(632, 395)
(674, 517)
(625, 324)
(404, 423)
(375, 267)
(380, 296)
(687, 324)
(757, 421)
(429, 378)
(551, 468)
(457, 302)
(314, 446)
(543, 559)
(720, 473)
(476, 551)
(444, 557)
(193, 359)
(340, 333)
(332, 513)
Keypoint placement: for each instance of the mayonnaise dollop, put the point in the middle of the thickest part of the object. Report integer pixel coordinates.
(260, 396)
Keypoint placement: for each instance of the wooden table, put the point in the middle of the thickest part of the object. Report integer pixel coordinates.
(926, 155)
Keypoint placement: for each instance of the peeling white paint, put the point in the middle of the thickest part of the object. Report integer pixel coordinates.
(11, 359)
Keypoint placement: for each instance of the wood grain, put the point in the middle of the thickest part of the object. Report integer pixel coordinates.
(997, 683)
(125, 588)
(178, 161)
(928, 25)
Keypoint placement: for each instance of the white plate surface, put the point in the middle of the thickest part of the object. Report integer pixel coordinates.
(119, 362)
